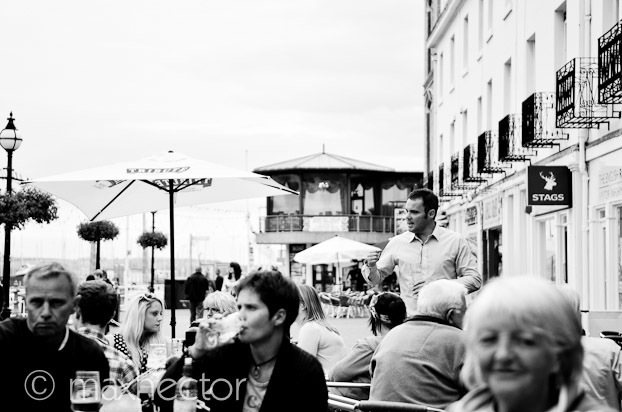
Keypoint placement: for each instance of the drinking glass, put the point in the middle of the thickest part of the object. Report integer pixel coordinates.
(86, 391)
(156, 358)
(224, 329)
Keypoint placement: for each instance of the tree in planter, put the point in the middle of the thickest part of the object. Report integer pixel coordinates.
(152, 240)
(95, 232)
(17, 209)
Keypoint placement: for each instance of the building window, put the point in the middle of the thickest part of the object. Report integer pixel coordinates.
(547, 247)
(465, 128)
(507, 87)
(480, 24)
(452, 60)
(530, 72)
(440, 75)
(560, 36)
(394, 194)
(452, 137)
(611, 11)
(439, 154)
(285, 204)
(489, 105)
(465, 46)
(323, 195)
(490, 15)
(362, 197)
(479, 115)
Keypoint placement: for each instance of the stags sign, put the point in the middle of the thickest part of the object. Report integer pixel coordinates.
(549, 186)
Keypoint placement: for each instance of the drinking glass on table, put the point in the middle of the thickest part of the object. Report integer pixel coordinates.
(86, 391)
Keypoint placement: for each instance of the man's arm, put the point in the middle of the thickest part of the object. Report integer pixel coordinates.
(466, 267)
(378, 266)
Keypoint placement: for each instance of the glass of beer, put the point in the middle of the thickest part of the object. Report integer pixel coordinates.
(86, 391)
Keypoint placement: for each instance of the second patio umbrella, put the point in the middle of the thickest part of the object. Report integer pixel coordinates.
(337, 250)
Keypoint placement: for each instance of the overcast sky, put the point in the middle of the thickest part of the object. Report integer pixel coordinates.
(244, 83)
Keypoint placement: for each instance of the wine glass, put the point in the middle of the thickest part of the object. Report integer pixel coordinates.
(86, 392)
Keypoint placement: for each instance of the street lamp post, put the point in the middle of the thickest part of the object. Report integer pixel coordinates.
(151, 287)
(10, 141)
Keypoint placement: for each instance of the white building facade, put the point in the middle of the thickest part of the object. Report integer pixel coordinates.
(513, 84)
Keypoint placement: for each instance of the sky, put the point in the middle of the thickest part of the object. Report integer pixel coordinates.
(243, 83)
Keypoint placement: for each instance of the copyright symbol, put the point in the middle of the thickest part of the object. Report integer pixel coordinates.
(39, 385)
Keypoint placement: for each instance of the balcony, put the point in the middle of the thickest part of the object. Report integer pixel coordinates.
(283, 229)
(576, 105)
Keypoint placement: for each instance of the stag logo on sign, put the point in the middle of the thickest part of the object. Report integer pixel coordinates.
(549, 186)
(550, 181)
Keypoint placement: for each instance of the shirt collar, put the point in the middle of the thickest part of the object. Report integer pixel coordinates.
(437, 233)
(65, 339)
(92, 333)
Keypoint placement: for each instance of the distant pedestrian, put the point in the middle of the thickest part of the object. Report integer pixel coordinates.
(196, 289)
(235, 273)
(103, 275)
(219, 280)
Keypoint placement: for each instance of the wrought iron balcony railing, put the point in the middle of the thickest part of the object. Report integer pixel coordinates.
(510, 149)
(457, 178)
(538, 128)
(327, 223)
(469, 166)
(575, 105)
(444, 184)
(487, 160)
(610, 66)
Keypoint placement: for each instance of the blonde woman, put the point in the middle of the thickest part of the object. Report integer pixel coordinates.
(217, 304)
(316, 335)
(524, 351)
(141, 327)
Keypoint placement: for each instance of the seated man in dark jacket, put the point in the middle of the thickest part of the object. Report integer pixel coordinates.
(40, 353)
(260, 370)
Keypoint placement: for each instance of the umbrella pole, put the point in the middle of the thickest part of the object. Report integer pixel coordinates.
(172, 220)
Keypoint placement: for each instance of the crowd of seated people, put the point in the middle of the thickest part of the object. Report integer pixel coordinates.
(518, 346)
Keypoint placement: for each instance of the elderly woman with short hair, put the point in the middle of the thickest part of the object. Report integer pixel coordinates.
(524, 350)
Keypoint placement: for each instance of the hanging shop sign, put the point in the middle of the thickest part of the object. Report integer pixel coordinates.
(549, 186)
(470, 217)
(491, 213)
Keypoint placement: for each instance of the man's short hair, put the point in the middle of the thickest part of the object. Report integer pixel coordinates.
(275, 291)
(428, 197)
(439, 296)
(51, 270)
(98, 302)
(199, 269)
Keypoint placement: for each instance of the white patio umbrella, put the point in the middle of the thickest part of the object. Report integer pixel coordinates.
(162, 181)
(337, 250)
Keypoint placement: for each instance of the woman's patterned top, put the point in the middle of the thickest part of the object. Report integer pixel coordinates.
(120, 344)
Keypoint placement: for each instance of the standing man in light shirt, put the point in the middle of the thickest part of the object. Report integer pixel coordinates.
(424, 253)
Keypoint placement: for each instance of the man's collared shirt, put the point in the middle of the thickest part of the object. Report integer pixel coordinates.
(122, 369)
(444, 255)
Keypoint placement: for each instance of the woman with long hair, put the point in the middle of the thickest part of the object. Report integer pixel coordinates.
(523, 350)
(386, 311)
(235, 273)
(316, 335)
(141, 327)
